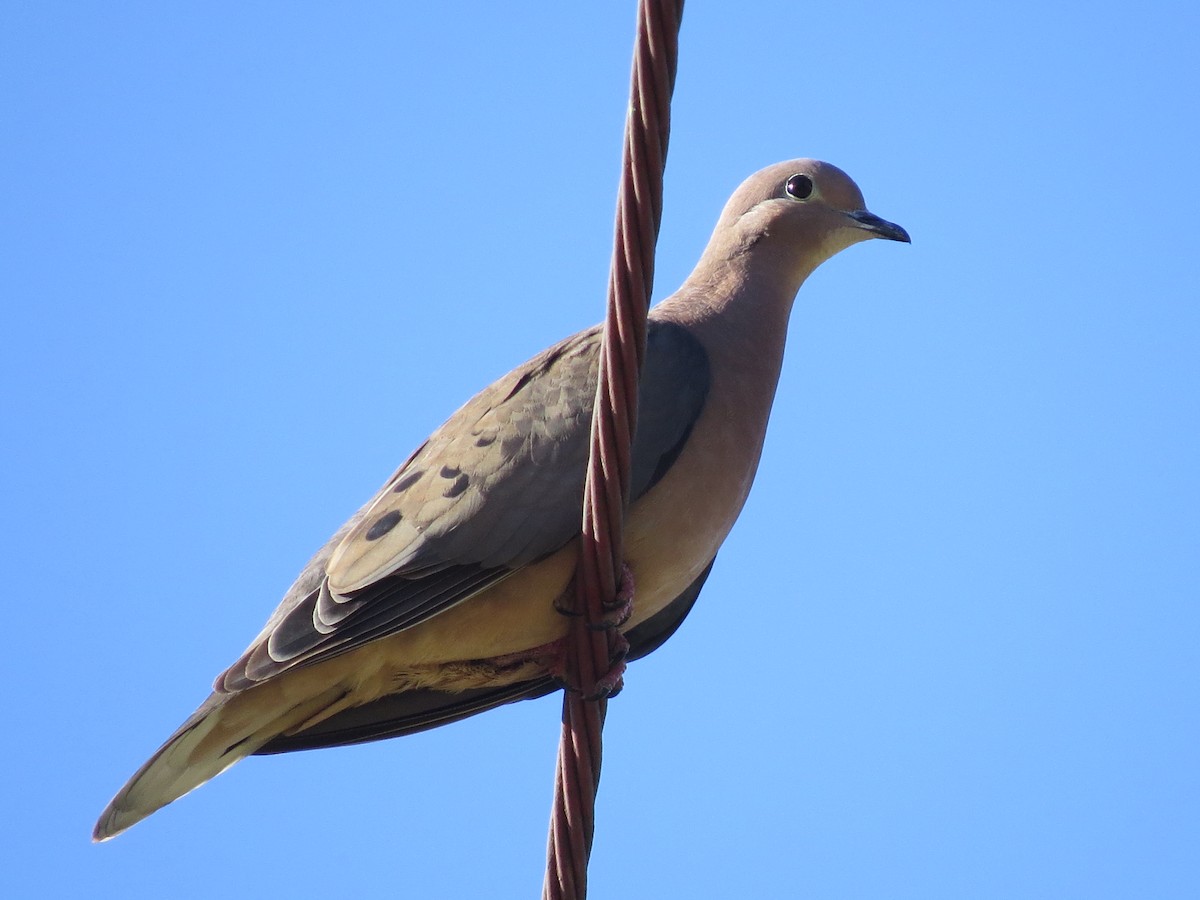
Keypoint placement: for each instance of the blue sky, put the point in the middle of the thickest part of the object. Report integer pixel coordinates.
(254, 253)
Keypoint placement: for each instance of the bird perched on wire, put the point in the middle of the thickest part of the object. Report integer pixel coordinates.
(440, 598)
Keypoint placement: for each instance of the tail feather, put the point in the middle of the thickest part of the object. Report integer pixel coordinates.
(226, 728)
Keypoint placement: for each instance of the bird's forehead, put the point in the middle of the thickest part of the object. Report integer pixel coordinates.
(835, 187)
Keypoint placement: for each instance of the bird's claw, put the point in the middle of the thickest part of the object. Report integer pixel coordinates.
(611, 682)
(607, 685)
(616, 613)
(618, 610)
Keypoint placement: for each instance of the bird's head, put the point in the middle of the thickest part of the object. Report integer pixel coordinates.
(800, 213)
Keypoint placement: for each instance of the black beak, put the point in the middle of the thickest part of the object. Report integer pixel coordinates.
(880, 227)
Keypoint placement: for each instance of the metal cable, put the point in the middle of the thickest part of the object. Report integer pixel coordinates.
(593, 651)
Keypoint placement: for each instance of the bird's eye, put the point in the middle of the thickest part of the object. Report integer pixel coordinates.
(799, 187)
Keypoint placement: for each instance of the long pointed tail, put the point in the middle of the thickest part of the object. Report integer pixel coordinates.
(226, 728)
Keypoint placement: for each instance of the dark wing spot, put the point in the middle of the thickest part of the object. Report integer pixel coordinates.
(450, 471)
(457, 486)
(485, 440)
(383, 525)
(408, 480)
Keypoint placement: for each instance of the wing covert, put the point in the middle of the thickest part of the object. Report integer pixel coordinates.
(498, 486)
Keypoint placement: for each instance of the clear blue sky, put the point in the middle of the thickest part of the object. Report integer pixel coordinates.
(253, 253)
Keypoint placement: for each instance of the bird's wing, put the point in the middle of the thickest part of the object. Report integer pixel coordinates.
(498, 486)
(408, 712)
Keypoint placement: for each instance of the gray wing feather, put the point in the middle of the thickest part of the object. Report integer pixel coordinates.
(497, 487)
(411, 711)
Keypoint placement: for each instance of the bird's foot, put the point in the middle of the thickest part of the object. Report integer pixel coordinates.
(616, 611)
(606, 685)
(611, 682)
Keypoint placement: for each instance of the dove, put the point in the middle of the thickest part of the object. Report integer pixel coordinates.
(440, 598)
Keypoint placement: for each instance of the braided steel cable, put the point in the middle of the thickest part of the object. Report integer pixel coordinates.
(593, 651)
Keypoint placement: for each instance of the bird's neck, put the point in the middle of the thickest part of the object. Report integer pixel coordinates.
(739, 311)
(740, 315)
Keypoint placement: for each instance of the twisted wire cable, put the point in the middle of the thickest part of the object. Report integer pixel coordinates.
(592, 649)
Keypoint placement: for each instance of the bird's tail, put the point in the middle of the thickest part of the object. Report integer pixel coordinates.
(226, 728)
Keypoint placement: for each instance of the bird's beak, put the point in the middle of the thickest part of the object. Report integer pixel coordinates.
(880, 227)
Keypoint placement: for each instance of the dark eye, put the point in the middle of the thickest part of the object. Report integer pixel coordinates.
(799, 187)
